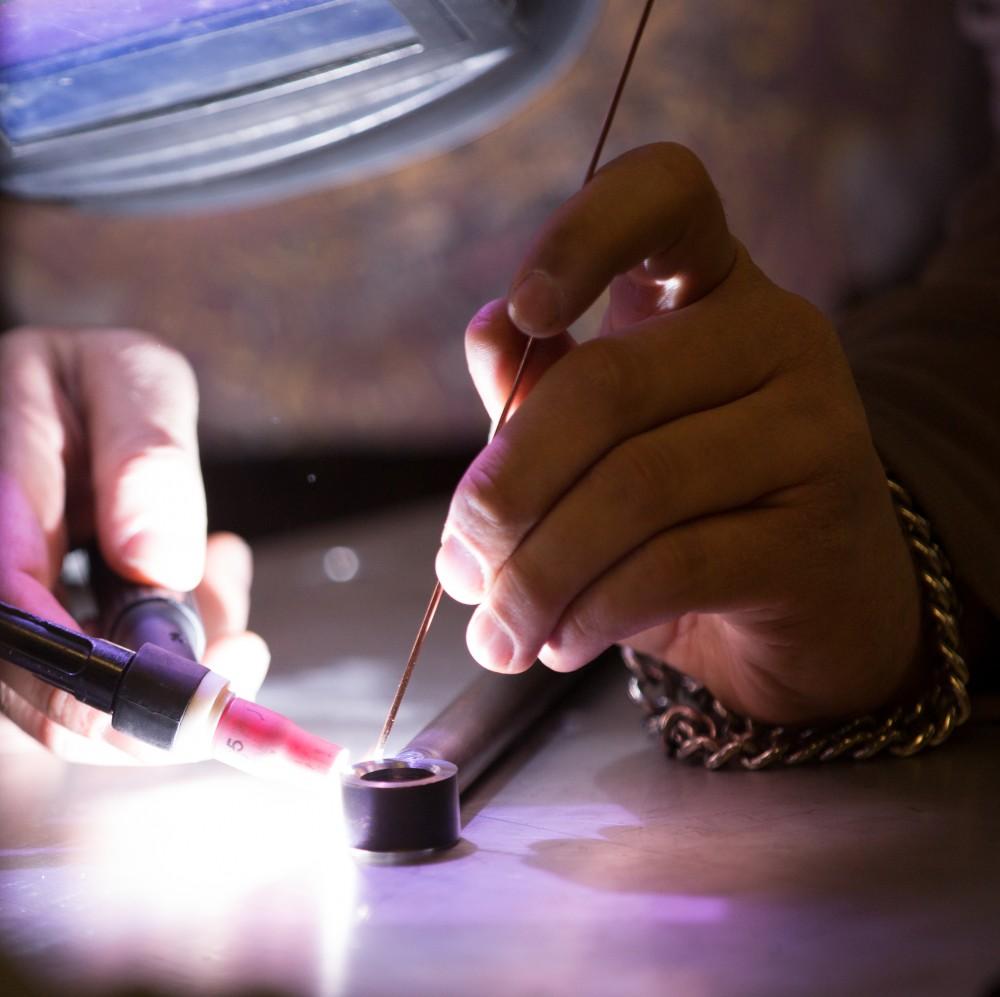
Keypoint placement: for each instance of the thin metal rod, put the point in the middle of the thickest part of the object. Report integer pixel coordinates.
(435, 598)
(613, 106)
(609, 117)
(418, 643)
(488, 716)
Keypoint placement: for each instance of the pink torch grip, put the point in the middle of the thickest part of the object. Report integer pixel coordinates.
(264, 743)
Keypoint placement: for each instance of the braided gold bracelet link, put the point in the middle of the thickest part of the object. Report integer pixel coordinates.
(694, 726)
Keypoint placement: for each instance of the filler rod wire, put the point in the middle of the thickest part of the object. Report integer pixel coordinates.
(418, 643)
(435, 599)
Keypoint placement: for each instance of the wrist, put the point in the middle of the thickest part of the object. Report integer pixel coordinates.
(930, 703)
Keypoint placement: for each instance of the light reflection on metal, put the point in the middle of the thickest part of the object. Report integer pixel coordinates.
(261, 140)
(209, 112)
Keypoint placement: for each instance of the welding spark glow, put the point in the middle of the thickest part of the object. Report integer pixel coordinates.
(195, 860)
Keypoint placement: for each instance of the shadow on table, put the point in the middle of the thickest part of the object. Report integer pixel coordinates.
(909, 826)
(892, 862)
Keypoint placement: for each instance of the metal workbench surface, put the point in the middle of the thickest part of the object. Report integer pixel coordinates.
(589, 864)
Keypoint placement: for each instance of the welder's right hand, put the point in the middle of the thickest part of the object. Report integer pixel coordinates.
(699, 482)
(98, 440)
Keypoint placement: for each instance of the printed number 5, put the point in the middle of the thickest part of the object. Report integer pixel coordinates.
(235, 743)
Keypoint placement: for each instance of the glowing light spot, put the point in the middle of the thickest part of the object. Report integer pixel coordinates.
(311, 478)
(342, 763)
(670, 289)
(341, 564)
(76, 568)
(212, 849)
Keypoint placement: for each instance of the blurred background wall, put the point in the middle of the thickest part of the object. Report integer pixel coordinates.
(326, 330)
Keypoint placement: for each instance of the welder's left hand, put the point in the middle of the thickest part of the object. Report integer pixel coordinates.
(98, 441)
(699, 481)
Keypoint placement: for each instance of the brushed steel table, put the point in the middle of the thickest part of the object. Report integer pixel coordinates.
(589, 864)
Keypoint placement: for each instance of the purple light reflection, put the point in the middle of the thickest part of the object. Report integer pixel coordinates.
(599, 848)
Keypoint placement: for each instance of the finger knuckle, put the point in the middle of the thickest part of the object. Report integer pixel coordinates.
(682, 563)
(150, 465)
(825, 426)
(521, 600)
(138, 446)
(636, 479)
(529, 580)
(583, 625)
(148, 365)
(602, 373)
(484, 504)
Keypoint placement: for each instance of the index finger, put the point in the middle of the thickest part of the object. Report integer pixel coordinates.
(141, 414)
(655, 203)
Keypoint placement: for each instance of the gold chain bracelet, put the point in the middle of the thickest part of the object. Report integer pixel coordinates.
(695, 726)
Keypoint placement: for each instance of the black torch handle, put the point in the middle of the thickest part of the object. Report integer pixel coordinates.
(131, 614)
(145, 674)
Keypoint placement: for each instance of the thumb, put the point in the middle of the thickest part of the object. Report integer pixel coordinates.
(493, 351)
(654, 207)
(141, 405)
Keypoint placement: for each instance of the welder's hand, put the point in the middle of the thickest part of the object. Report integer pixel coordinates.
(97, 436)
(698, 482)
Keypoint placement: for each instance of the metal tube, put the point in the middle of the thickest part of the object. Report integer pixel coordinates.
(410, 803)
(481, 722)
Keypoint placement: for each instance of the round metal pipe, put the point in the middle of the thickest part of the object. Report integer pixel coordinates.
(400, 807)
(409, 804)
(479, 724)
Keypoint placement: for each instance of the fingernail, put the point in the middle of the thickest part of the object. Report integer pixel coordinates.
(459, 571)
(535, 305)
(163, 558)
(489, 643)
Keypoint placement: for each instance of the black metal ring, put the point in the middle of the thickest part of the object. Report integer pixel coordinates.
(401, 805)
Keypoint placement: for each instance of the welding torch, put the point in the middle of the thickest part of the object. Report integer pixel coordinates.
(160, 694)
